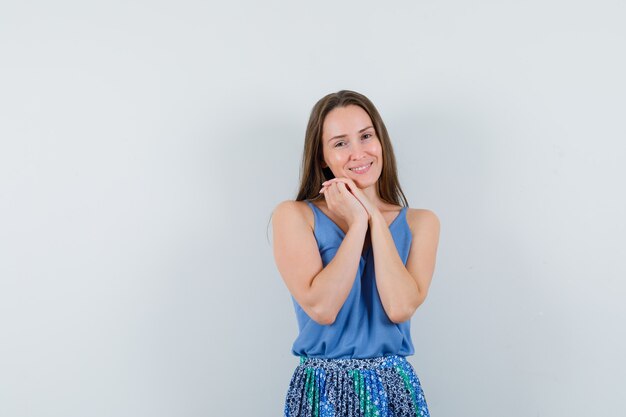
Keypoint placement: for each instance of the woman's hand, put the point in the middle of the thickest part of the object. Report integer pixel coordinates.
(343, 203)
(355, 191)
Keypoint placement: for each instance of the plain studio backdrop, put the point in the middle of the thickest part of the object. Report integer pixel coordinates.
(145, 144)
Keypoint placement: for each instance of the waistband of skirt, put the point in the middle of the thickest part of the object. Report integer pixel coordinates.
(353, 363)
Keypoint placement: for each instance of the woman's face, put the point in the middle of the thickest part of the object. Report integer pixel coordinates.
(349, 141)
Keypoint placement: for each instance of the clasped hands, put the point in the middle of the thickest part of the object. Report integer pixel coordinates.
(349, 185)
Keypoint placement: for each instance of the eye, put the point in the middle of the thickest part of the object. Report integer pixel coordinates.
(337, 145)
(367, 134)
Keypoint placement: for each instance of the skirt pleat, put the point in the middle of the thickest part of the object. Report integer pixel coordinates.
(385, 386)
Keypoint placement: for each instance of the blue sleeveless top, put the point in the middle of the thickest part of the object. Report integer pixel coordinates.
(361, 328)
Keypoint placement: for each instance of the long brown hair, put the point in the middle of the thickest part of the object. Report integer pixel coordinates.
(311, 172)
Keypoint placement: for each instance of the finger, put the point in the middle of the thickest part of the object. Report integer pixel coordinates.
(347, 193)
(345, 180)
(334, 180)
(326, 185)
(335, 189)
(329, 193)
(330, 181)
(332, 196)
(346, 186)
(342, 189)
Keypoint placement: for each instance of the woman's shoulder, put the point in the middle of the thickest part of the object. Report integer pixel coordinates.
(292, 205)
(294, 210)
(420, 211)
(421, 217)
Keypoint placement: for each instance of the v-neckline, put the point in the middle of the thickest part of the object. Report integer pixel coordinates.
(365, 254)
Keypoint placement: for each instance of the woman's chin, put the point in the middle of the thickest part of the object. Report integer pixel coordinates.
(362, 185)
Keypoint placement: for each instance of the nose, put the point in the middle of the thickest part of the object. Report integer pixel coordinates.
(358, 152)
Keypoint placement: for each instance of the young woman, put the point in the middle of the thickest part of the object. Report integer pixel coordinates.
(357, 263)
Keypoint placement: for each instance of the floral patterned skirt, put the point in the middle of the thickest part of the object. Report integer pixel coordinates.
(385, 386)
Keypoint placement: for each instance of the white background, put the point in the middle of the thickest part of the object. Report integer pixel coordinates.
(144, 145)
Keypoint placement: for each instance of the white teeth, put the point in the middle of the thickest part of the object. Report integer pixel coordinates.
(360, 168)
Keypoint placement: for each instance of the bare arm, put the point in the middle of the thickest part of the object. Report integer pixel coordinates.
(320, 291)
(403, 289)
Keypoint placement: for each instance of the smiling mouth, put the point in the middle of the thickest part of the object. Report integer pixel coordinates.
(362, 169)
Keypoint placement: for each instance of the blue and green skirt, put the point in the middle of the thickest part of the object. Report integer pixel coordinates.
(385, 386)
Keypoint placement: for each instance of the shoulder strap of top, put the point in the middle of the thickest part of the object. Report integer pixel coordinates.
(311, 204)
(312, 208)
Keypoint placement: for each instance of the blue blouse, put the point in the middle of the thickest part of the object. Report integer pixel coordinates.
(361, 328)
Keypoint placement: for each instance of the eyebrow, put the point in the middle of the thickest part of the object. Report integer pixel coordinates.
(344, 135)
